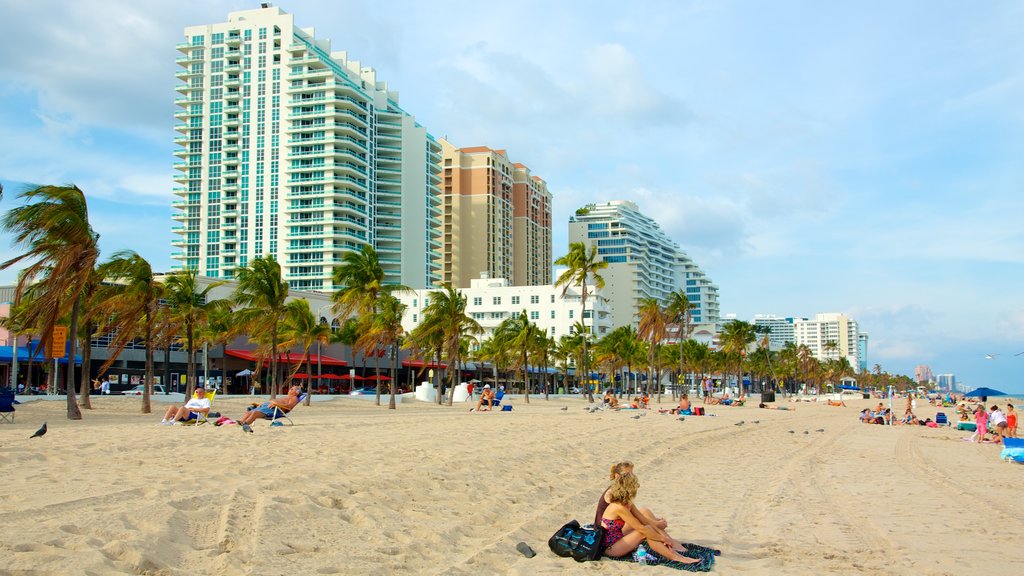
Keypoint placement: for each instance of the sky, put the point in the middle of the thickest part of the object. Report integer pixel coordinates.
(858, 157)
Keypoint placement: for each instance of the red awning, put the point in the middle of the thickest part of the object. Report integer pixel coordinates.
(420, 364)
(347, 377)
(381, 377)
(290, 358)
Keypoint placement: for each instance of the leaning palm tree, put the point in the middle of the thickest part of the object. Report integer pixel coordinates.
(130, 308)
(361, 278)
(189, 309)
(53, 230)
(384, 330)
(262, 293)
(300, 328)
(582, 268)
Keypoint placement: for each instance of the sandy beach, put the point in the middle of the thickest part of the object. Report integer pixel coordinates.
(353, 488)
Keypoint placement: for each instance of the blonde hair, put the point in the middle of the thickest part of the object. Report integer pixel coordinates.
(620, 468)
(624, 488)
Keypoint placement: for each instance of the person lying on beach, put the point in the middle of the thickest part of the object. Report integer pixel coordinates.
(767, 407)
(618, 516)
(866, 416)
(734, 401)
(266, 410)
(837, 403)
(191, 410)
(486, 397)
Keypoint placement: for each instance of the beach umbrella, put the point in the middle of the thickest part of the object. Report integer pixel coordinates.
(983, 393)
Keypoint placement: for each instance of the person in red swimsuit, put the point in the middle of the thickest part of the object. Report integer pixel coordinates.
(617, 516)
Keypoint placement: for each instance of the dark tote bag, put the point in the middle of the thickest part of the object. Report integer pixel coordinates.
(582, 544)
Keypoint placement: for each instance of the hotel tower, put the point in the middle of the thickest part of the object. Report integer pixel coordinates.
(643, 262)
(497, 219)
(290, 149)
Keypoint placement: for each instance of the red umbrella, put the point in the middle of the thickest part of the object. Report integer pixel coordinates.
(347, 377)
(301, 376)
(381, 377)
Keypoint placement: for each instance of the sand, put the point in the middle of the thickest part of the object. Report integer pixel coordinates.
(353, 488)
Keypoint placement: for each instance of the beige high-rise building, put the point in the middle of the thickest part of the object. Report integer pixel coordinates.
(496, 219)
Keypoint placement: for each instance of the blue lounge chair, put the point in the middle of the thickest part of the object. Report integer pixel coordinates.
(7, 405)
(941, 420)
(1013, 450)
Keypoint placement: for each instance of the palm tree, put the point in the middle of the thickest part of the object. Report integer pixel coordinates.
(384, 330)
(262, 293)
(130, 307)
(518, 335)
(582, 267)
(189, 310)
(301, 328)
(218, 329)
(736, 336)
(445, 324)
(53, 229)
(653, 327)
(361, 278)
(678, 311)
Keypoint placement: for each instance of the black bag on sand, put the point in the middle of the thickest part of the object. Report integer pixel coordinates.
(580, 543)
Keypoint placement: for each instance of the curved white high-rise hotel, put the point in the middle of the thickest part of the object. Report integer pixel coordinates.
(293, 150)
(643, 262)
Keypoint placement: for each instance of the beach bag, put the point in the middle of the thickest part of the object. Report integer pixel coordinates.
(581, 543)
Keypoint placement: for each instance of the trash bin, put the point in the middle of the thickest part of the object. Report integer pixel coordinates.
(867, 396)
(768, 396)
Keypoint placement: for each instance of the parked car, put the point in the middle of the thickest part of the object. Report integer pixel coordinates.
(138, 390)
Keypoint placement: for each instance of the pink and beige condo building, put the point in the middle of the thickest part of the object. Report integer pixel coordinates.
(496, 219)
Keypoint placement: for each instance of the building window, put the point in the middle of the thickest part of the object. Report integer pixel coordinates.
(535, 315)
(496, 300)
(515, 300)
(478, 301)
(535, 299)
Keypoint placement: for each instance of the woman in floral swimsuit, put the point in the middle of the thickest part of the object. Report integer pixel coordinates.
(617, 516)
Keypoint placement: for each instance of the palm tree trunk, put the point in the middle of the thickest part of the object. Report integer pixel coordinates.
(526, 380)
(394, 374)
(73, 412)
(309, 379)
(273, 363)
(147, 401)
(86, 384)
(190, 370)
(28, 375)
(585, 373)
(376, 372)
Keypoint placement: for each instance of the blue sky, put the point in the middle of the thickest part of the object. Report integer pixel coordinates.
(857, 157)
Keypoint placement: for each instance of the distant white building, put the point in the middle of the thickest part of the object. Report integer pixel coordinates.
(829, 327)
(945, 382)
(780, 330)
(489, 301)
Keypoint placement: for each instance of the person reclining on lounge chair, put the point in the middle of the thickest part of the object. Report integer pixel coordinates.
(266, 410)
(200, 404)
(486, 397)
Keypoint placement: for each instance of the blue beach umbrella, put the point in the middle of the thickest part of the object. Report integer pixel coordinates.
(983, 392)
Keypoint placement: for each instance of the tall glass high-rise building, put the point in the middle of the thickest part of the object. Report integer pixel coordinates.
(292, 150)
(643, 262)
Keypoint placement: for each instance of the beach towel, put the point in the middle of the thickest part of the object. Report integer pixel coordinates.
(705, 555)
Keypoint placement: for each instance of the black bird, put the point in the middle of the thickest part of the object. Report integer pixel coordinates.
(565, 407)
(820, 430)
(247, 428)
(792, 432)
(682, 418)
(740, 423)
(39, 433)
(806, 432)
(756, 421)
(637, 417)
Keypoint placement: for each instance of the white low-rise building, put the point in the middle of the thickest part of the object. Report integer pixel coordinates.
(489, 301)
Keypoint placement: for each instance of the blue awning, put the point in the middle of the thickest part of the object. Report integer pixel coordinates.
(38, 357)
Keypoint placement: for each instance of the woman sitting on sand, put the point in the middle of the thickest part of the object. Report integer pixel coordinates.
(610, 400)
(618, 516)
(684, 406)
(645, 515)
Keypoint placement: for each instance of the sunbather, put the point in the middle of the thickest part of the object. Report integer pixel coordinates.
(191, 410)
(684, 406)
(836, 403)
(619, 515)
(767, 407)
(266, 410)
(610, 400)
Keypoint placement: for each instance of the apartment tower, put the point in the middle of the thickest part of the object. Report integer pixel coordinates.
(496, 219)
(831, 336)
(292, 150)
(642, 261)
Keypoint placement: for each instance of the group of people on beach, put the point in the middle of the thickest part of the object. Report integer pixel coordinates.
(1002, 425)
(632, 532)
(200, 405)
